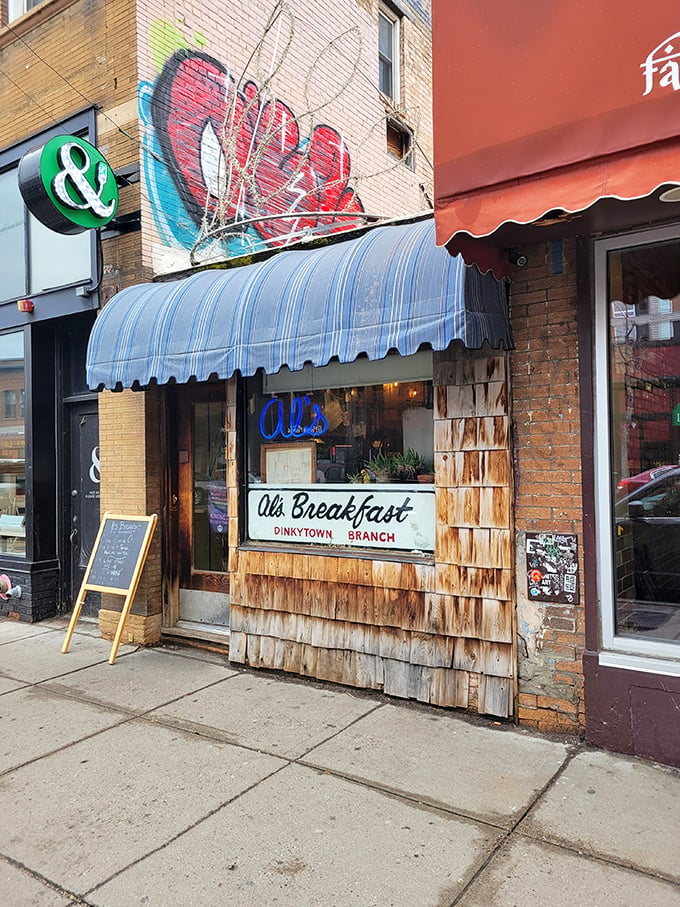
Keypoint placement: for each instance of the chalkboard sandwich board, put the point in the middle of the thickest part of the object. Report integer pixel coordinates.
(115, 565)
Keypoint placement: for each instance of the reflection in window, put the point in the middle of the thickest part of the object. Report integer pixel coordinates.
(34, 258)
(367, 446)
(210, 526)
(12, 236)
(57, 260)
(644, 288)
(12, 445)
(13, 403)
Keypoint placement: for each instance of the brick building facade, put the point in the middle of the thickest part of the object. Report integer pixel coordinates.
(68, 68)
(546, 410)
(581, 198)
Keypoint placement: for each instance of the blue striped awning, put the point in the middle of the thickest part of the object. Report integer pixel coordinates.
(390, 288)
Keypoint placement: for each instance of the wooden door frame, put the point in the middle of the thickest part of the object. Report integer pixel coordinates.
(169, 497)
(178, 495)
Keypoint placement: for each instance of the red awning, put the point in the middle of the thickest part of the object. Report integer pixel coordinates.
(542, 106)
(625, 176)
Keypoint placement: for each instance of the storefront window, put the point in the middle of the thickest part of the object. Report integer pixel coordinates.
(644, 394)
(12, 445)
(346, 464)
(12, 236)
(56, 260)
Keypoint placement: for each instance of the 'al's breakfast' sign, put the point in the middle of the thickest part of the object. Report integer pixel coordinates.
(365, 516)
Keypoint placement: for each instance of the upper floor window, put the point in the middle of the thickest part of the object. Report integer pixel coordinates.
(388, 53)
(16, 8)
(36, 259)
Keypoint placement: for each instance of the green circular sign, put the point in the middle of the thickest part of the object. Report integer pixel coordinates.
(68, 185)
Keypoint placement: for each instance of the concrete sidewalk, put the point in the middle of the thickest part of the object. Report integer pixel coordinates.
(174, 778)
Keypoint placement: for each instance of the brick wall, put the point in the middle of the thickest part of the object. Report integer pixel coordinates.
(546, 428)
(62, 58)
(129, 440)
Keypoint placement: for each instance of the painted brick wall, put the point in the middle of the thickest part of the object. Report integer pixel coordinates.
(322, 63)
(546, 428)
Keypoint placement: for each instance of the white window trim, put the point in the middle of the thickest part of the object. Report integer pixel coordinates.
(15, 8)
(18, 8)
(618, 651)
(389, 14)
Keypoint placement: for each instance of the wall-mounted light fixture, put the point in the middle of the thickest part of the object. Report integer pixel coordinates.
(670, 195)
(518, 259)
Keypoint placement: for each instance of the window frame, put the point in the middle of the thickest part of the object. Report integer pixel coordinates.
(653, 655)
(394, 20)
(18, 8)
(407, 157)
(394, 369)
(22, 534)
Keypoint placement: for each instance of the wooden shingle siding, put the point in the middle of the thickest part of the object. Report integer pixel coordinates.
(441, 632)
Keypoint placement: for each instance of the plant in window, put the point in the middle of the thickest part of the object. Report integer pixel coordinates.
(408, 465)
(382, 467)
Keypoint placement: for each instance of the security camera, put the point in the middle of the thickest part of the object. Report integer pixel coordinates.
(517, 259)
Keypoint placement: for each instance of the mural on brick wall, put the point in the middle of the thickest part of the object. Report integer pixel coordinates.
(227, 166)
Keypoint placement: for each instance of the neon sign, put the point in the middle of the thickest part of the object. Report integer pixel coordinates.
(274, 414)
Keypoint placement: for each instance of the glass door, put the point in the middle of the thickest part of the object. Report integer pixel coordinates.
(202, 505)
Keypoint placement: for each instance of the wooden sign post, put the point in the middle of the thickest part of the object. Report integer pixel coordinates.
(115, 565)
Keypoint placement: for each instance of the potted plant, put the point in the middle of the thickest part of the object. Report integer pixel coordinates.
(381, 467)
(427, 472)
(427, 476)
(408, 465)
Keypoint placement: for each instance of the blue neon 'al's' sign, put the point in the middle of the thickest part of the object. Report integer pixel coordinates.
(273, 423)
